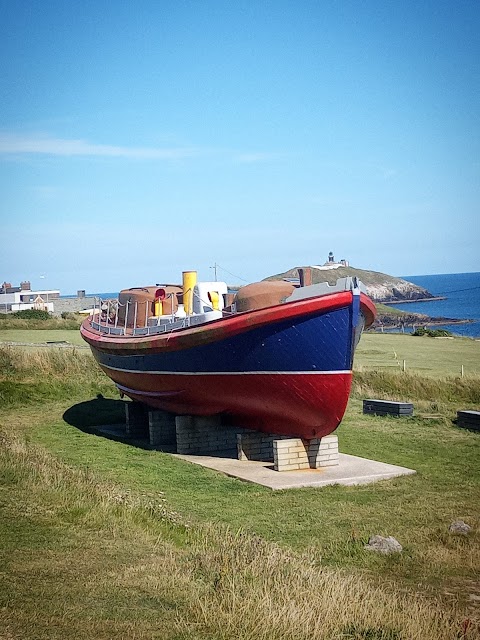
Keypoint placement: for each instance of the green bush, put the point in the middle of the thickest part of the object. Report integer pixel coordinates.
(431, 333)
(32, 314)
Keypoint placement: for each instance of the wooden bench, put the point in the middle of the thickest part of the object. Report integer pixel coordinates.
(469, 420)
(387, 408)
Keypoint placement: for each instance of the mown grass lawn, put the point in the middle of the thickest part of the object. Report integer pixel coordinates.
(94, 544)
(37, 336)
(437, 357)
(334, 522)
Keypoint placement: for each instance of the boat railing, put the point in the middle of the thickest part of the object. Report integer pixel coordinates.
(105, 319)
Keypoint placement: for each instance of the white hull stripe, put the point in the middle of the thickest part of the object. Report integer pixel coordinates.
(227, 373)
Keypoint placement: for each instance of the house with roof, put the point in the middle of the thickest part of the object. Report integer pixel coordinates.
(23, 297)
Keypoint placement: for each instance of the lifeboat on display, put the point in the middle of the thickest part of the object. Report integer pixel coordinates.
(273, 357)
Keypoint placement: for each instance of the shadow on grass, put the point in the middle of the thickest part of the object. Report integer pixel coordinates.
(95, 413)
(105, 417)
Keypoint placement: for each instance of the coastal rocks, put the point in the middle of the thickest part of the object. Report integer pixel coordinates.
(395, 290)
(385, 546)
(459, 528)
(390, 321)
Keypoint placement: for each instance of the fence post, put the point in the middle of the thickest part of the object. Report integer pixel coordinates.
(462, 371)
(404, 365)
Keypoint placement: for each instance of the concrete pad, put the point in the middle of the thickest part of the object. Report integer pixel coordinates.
(351, 470)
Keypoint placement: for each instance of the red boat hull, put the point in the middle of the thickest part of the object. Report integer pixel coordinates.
(312, 404)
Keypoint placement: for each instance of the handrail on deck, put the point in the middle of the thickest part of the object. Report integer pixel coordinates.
(107, 323)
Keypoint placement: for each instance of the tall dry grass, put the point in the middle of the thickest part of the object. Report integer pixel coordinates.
(9, 321)
(390, 385)
(259, 591)
(34, 466)
(53, 362)
(36, 375)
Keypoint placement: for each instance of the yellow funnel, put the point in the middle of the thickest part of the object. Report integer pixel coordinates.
(189, 282)
(214, 299)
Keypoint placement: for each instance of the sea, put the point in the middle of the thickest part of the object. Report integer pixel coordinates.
(462, 301)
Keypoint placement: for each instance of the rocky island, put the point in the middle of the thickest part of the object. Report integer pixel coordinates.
(382, 288)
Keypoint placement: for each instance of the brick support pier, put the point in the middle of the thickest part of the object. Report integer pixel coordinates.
(161, 428)
(255, 445)
(208, 436)
(205, 435)
(293, 454)
(136, 420)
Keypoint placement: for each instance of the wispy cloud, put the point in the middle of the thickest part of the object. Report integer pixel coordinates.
(47, 145)
(14, 144)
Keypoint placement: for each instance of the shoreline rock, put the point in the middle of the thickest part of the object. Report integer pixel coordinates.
(413, 320)
(396, 290)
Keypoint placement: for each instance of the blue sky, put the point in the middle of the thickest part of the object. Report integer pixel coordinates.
(140, 139)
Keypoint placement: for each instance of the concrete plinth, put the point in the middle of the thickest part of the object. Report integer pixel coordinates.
(351, 470)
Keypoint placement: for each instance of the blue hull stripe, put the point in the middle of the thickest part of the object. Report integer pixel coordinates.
(314, 343)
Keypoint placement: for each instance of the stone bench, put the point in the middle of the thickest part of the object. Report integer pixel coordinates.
(469, 420)
(387, 408)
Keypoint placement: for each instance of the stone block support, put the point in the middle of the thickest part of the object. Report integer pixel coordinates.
(323, 452)
(255, 445)
(293, 454)
(290, 455)
(136, 420)
(161, 428)
(205, 435)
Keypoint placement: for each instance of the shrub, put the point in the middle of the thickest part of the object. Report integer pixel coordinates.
(32, 314)
(431, 333)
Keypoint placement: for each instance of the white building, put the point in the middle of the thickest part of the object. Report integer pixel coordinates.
(331, 263)
(22, 297)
